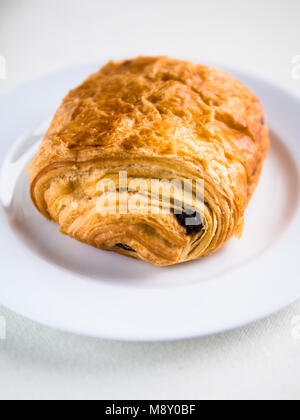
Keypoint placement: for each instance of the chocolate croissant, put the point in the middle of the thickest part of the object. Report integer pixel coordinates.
(140, 124)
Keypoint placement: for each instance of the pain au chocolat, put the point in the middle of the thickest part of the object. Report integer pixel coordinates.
(152, 118)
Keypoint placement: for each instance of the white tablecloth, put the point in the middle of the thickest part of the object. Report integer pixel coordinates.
(258, 361)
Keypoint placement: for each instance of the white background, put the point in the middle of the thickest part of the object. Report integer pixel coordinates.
(260, 361)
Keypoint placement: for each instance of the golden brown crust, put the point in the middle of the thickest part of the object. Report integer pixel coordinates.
(152, 115)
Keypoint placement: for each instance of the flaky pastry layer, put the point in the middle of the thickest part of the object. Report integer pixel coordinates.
(155, 118)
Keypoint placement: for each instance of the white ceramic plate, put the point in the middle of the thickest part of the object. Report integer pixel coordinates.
(56, 281)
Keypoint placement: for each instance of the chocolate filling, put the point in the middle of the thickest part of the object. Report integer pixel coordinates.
(125, 247)
(126, 63)
(190, 229)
